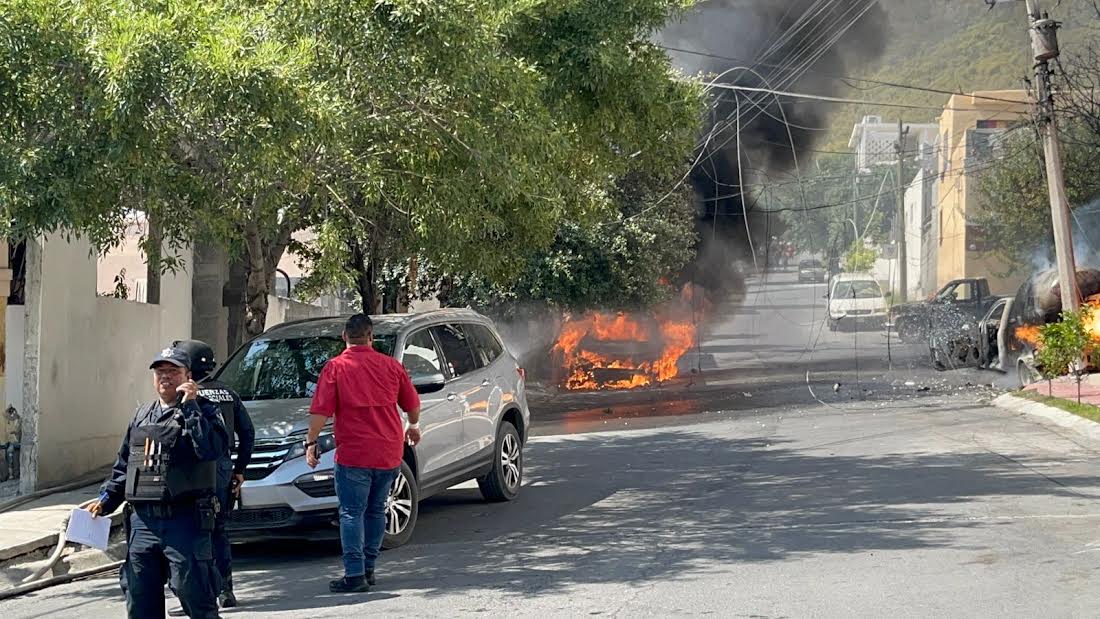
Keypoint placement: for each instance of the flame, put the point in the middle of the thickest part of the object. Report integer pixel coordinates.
(661, 340)
(1092, 317)
(1030, 333)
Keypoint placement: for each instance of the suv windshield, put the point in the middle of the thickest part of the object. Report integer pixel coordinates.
(285, 369)
(863, 289)
(810, 264)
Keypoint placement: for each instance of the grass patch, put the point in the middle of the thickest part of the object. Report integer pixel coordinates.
(1088, 411)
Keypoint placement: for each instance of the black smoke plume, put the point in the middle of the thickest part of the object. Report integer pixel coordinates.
(795, 45)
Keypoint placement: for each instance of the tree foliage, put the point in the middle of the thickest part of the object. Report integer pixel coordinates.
(859, 258)
(824, 209)
(629, 261)
(1015, 203)
(463, 131)
(583, 99)
(1064, 344)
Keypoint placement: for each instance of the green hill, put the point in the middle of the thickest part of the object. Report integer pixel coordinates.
(956, 45)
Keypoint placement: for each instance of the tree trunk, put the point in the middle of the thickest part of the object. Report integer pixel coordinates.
(262, 256)
(409, 294)
(154, 249)
(363, 265)
(233, 298)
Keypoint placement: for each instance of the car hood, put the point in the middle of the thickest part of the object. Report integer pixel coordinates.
(845, 305)
(278, 418)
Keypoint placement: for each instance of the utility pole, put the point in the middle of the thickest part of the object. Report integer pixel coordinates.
(899, 225)
(1044, 42)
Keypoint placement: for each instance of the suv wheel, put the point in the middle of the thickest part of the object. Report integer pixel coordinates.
(402, 508)
(503, 481)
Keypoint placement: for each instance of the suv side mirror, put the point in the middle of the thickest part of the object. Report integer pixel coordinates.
(429, 383)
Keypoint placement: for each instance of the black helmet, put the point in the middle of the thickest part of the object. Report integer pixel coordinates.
(202, 356)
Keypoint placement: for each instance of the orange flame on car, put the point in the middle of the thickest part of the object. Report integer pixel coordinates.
(601, 350)
(1030, 333)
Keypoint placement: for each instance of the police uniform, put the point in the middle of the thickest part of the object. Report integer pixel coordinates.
(167, 470)
(238, 423)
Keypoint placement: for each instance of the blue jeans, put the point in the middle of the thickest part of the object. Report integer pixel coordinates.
(362, 494)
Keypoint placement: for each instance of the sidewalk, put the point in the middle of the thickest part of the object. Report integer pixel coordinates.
(1066, 389)
(35, 525)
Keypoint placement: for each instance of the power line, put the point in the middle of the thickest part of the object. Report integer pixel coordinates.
(802, 95)
(841, 77)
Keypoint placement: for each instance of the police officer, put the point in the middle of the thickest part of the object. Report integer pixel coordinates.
(167, 471)
(230, 473)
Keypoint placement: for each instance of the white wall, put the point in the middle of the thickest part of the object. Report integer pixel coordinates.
(93, 355)
(914, 239)
(281, 309)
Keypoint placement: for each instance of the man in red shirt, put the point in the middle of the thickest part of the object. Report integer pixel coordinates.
(362, 388)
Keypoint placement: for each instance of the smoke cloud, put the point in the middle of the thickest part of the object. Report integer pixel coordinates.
(796, 45)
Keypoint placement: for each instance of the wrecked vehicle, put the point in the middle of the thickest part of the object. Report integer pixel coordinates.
(958, 302)
(966, 343)
(1004, 339)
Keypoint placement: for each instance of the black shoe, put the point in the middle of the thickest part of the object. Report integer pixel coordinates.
(370, 577)
(354, 584)
(227, 599)
(176, 611)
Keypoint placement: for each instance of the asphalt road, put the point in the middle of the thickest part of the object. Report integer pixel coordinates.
(878, 499)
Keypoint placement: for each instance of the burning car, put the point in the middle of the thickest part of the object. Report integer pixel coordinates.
(1006, 337)
(624, 350)
(621, 351)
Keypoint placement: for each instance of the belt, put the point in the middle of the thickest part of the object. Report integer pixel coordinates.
(168, 510)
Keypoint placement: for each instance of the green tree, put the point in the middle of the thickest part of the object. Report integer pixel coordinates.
(859, 258)
(824, 206)
(551, 103)
(626, 262)
(193, 112)
(1015, 205)
(1063, 344)
(440, 128)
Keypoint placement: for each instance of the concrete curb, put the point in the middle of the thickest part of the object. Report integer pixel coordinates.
(48, 540)
(1090, 429)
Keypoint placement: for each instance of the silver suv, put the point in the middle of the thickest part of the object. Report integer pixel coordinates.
(474, 418)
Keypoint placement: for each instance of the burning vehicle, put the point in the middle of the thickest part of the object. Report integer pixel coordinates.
(1006, 337)
(620, 350)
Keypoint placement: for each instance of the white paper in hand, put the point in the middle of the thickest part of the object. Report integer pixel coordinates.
(88, 530)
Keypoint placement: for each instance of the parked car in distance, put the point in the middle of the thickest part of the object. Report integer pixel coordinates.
(474, 419)
(811, 271)
(856, 302)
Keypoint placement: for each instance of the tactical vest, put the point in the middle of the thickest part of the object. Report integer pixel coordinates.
(161, 469)
(218, 394)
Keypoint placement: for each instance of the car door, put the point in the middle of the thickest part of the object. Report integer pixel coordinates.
(481, 423)
(466, 386)
(440, 414)
(988, 330)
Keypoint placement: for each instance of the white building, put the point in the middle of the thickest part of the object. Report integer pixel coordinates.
(874, 141)
(920, 241)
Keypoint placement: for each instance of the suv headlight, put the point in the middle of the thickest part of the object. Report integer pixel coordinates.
(325, 442)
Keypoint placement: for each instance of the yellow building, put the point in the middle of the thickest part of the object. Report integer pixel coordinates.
(971, 129)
